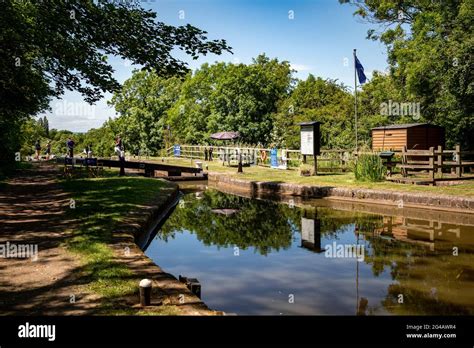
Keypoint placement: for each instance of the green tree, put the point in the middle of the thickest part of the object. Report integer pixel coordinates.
(142, 103)
(431, 55)
(231, 97)
(316, 99)
(101, 139)
(49, 46)
(46, 126)
(31, 131)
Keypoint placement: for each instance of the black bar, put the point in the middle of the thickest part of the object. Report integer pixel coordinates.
(292, 330)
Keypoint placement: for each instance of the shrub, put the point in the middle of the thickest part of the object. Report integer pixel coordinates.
(306, 169)
(369, 167)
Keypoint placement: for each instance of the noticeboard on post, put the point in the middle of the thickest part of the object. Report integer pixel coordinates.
(307, 140)
(310, 138)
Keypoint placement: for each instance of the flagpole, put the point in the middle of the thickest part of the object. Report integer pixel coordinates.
(355, 99)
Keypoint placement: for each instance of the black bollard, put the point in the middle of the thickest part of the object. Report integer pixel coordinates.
(145, 292)
(122, 165)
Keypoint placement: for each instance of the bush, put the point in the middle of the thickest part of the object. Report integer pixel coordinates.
(369, 167)
(306, 170)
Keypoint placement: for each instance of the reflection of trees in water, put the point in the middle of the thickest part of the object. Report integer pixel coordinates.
(269, 226)
(431, 282)
(261, 224)
(332, 221)
(265, 225)
(423, 302)
(384, 253)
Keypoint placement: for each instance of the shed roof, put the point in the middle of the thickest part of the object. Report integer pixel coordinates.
(406, 125)
(309, 123)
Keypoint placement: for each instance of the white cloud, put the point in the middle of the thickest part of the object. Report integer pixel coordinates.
(301, 67)
(73, 113)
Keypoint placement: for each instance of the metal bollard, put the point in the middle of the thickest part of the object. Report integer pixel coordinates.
(145, 292)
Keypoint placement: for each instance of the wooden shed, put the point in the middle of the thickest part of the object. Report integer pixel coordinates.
(419, 136)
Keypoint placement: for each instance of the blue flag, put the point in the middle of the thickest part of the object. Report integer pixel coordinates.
(360, 71)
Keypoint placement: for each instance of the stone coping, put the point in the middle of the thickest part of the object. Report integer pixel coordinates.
(137, 229)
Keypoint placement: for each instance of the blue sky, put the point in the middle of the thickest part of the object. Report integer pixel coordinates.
(315, 36)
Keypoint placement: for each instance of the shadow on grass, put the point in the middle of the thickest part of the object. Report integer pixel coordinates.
(100, 206)
(36, 209)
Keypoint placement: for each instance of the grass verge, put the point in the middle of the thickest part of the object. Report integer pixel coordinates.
(101, 204)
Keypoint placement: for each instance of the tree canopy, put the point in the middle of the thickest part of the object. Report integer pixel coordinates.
(47, 47)
(430, 52)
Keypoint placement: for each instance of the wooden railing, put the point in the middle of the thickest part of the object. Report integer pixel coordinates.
(436, 162)
(328, 160)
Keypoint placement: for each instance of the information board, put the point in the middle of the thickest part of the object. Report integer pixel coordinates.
(307, 140)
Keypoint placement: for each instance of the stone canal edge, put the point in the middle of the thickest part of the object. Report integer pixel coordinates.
(423, 200)
(135, 232)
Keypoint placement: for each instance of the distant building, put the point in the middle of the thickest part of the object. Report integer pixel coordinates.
(415, 136)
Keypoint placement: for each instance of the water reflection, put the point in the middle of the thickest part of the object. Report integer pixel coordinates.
(264, 226)
(269, 258)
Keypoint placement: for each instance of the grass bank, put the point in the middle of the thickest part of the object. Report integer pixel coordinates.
(101, 205)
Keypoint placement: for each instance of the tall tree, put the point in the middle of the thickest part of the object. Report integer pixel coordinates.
(431, 55)
(237, 97)
(316, 99)
(46, 126)
(142, 103)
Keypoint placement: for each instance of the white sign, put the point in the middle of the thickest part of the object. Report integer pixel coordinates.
(307, 230)
(307, 141)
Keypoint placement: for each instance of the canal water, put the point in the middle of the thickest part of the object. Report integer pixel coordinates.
(263, 257)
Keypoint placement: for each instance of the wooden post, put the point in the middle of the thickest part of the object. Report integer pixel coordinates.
(440, 161)
(431, 164)
(239, 169)
(315, 165)
(304, 158)
(122, 165)
(458, 161)
(404, 160)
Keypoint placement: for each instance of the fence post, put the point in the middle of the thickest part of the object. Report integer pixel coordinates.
(440, 161)
(431, 164)
(458, 161)
(404, 160)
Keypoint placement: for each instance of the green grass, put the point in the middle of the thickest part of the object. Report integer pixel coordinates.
(101, 204)
(258, 173)
(369, 167)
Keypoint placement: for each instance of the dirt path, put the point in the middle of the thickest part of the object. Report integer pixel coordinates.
(32, 211)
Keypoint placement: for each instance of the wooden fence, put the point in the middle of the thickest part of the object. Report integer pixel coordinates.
(439, 163)
(329, 160)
